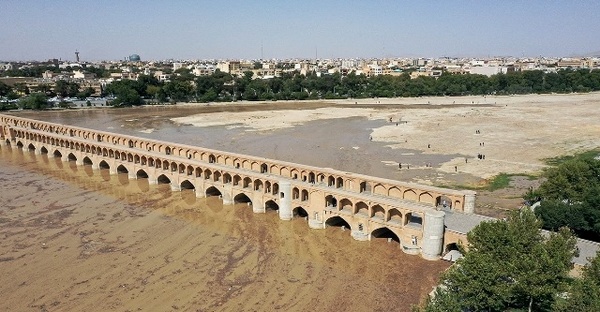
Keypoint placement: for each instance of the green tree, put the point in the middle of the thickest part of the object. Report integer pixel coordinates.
(584, 295)
(571, 197)
(509, 264)
(34, 101)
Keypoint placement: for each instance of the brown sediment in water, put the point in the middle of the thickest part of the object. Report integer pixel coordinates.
(74, 239)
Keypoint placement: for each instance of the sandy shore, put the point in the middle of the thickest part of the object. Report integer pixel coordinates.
(513, 132)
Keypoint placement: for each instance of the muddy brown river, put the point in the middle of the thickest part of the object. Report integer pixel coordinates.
(75, 239)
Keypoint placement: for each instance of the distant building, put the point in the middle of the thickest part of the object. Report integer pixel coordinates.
(134, 58)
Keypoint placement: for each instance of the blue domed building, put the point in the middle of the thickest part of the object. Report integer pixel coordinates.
(134, 58)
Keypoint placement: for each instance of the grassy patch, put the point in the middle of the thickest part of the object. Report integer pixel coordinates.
(500, 181)
(587, 155)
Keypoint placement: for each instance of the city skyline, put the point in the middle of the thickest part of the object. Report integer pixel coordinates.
(112, 30)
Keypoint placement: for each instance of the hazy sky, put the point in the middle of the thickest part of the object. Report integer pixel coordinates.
(188, 29)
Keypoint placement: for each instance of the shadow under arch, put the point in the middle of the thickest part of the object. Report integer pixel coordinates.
(385, 233)
(337, 221)
(242, 198)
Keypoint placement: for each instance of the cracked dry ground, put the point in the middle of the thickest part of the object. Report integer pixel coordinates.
(74, 239)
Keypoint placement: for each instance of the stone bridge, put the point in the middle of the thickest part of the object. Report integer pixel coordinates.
(370, 207)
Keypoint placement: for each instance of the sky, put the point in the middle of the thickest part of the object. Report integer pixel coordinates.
(253, 29)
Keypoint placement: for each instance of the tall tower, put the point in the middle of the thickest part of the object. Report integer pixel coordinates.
(77, 56)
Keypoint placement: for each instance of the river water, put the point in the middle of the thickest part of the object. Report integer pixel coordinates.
(75, 239)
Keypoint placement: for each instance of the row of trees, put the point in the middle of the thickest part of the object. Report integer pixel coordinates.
(510, 265)
(224, 87)
(294, 86)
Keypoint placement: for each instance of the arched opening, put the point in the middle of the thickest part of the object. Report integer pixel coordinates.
(451, 246)
(162, 179)
(141, 174)
(213, 191)
(386, 234)
(258, 185)
(122, 169)
(452, 252)
(241, 198)
(271, 206)
(378, 212)
(87, 161)
(365, 187)
(339, 183)
(330, 181)
(44, 150)
(212, 159)
(295, 193)
(246, 182)
(216, 176)
(395, 216)
(19, 144)
(362, 209)
(103, 165)
(413, 219)
(443, 202)
(311, 178)
(331, 201)
(304, 195)
(299, 212)
(226, 178)
(71, 157)
(187, 185)
(207, 174)
(263, 168)
(31, 147)
(337, 221)
(346, 206)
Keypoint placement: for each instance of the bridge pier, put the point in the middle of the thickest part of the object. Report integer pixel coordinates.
(433, 235)
(316, 222)
(175, 187)
(131, 175)
(258, 206)
(112, 170)
(469, 205)
(285, 200)
(94, 166)
(359, 235)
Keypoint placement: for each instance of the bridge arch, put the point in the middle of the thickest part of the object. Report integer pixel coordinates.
(299, 212)
(163, 179)
(122, 169)
(213, 191)
(103, 165)
(187, 185)
(44, 150)
(271, 205)
(338, 221)
(241, 198)
(87, 161)
(31, 147)
(385, 232)
(141, 174)
(71, 157)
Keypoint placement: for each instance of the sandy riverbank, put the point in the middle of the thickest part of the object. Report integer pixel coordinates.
(513, 132)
